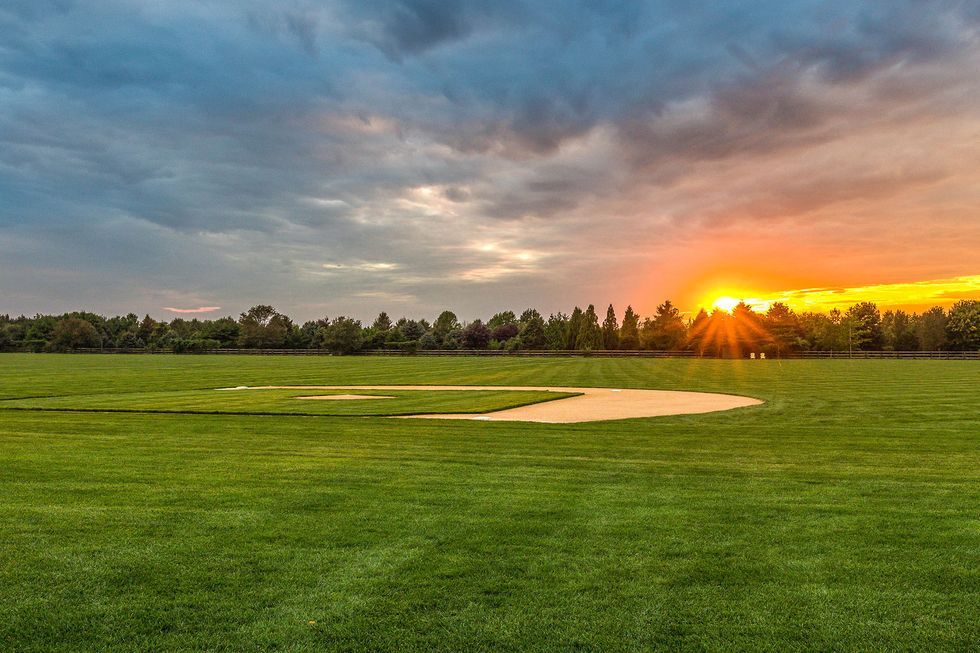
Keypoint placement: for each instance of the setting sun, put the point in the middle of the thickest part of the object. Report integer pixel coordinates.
(725, 303)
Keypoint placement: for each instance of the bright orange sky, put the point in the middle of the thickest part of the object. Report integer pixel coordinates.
(915, 296)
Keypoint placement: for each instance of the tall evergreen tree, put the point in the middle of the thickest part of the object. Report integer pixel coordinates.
(697, 332)
(629, 333)
(610, 330)
(446, 322)
(574, 326)
(589, 337)
(556, 332)
(382, 323)
(783, 328)
(533, 332)
(666, 330)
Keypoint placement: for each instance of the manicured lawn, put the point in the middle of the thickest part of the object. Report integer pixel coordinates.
(282, 401)
(842, 514)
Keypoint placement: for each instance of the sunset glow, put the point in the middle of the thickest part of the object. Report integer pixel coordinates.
(725, 303)
(911, 296)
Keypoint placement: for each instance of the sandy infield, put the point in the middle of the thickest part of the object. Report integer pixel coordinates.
(591, 404)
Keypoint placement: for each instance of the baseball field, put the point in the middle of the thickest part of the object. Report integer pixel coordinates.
(142, 508)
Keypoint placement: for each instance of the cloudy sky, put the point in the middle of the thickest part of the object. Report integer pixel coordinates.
(352, 156)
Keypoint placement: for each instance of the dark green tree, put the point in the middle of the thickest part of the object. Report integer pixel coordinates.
(532, 333)
(610, 330)
(697, 332)
(863, 322)
(963, 325)
(782, 327)
(446, 322)
(261, 327)
(527, 316)
(666, 330)
(590, 333)
(930, 329)
(574, 326)
(629, 333)
(502, 318)
(73, 333)
(224, 330)
(382, 322)
(898, 330)
(343, 336)
(412, 329)
(556, 332)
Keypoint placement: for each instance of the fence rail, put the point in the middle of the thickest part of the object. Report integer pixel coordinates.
(944, 355)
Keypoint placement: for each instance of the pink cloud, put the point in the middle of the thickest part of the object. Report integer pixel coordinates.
(200, 309)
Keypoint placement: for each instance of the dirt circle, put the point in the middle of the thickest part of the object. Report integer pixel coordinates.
(589, 404)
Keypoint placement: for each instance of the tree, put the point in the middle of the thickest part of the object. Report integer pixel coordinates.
(930, 329)
(963, 325)
(696, 332)
(476, 335)
(629, 333)
(666, 330)
(504, 332)
(830, 332)
(533, 331)
(411, 329)
(343, 336)
(429, 340)
(454, 339)
(371, 338)
(898, 331)
(382, 322)
(750, 333)
(39, 331)
(610, 330)
(864, 322)
(73, 333)
(145, 329)
(499, 319)
(261, 327)
(556, 332)
(445, 323)
(574, 326)
(783, 328)
(225, 330)
(590, 334)
(528, 315)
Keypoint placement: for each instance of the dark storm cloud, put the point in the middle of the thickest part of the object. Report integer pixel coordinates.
(298, 133)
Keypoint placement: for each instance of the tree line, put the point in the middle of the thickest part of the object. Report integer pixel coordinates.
(777, 332)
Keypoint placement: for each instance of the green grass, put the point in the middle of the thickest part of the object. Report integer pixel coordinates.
(285, 402)
(842, 514)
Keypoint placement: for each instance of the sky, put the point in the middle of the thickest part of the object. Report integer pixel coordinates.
(194, 158)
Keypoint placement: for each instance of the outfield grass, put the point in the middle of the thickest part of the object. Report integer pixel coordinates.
(286, 402)
(842, 514)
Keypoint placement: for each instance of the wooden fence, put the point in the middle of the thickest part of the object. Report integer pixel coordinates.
(944, 355)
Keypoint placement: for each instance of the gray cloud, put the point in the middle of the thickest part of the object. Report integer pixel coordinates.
(213, 153)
